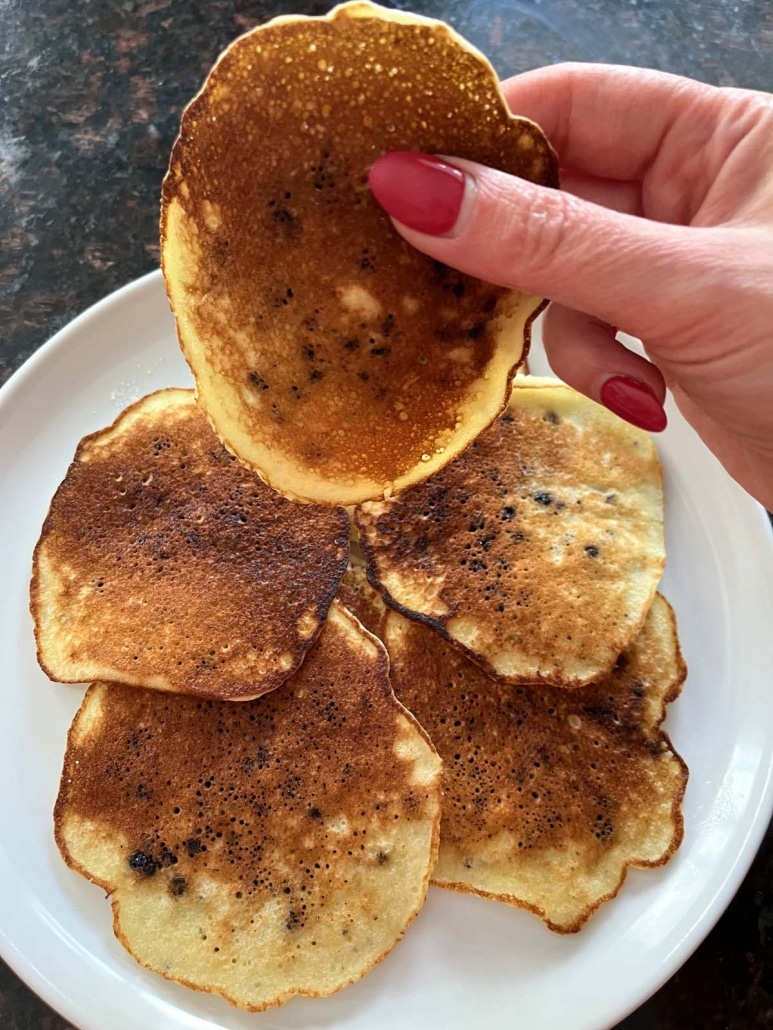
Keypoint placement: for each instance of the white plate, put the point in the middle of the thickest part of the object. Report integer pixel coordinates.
(464, 962)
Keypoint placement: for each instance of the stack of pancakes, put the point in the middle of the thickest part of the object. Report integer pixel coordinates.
(301, 715)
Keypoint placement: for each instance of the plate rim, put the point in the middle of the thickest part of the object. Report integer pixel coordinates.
(51, 993)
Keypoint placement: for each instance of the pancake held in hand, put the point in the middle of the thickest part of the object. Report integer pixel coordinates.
(334, 359)
(539, 550)
(164, 563)
(548, 795)
(259, 850)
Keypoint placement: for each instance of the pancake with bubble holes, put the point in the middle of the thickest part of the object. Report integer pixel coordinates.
(539, 550)
(549, 796)
(338, 362)
(164, 563)
(260, 850)
(359, 596)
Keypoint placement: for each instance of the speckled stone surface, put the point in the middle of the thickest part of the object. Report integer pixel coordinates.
(90, 98)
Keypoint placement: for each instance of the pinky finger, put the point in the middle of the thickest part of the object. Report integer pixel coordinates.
(584, 353)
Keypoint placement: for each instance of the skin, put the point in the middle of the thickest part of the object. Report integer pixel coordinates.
(663, 229)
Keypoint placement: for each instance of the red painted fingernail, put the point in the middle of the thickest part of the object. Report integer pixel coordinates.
(635, 402)
(421, 191)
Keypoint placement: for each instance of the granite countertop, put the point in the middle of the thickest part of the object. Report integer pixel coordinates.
(90, 99)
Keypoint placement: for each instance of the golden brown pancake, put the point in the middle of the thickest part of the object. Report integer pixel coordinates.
(330, 356)
(260, 850)
(549, 796)
(538, 551)
(164, 563)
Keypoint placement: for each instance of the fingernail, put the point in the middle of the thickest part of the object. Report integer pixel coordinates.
(635, 402)
(421, 191)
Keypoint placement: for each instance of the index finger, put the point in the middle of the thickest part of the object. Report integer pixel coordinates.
(611, 121)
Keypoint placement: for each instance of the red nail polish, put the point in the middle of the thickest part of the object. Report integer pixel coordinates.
(635, 402)
(421, 191)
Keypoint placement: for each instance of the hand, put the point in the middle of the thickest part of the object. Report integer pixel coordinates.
(664, 228)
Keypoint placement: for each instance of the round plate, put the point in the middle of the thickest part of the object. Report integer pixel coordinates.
(464, 962)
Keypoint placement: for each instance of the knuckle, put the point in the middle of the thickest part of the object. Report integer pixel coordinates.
(536, 229)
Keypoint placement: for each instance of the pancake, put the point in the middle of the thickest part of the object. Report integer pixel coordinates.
(164, 563)
(361, 599)
(539, 550)
(335, 360)
(549, 796)
(260, 850)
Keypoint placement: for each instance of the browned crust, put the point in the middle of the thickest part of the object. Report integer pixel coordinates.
(248, 694)
(46, 530)
(337, 11)
(634, 863)
(550, 179)
(439, 626)
(263, 474)
(326, 603)
(677, 816)
(77, 867)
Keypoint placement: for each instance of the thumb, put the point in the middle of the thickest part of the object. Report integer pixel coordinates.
(620, 268)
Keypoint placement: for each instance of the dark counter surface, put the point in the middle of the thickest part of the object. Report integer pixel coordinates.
(90, 99)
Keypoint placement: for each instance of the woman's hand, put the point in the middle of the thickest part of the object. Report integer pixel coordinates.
(664, 228)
